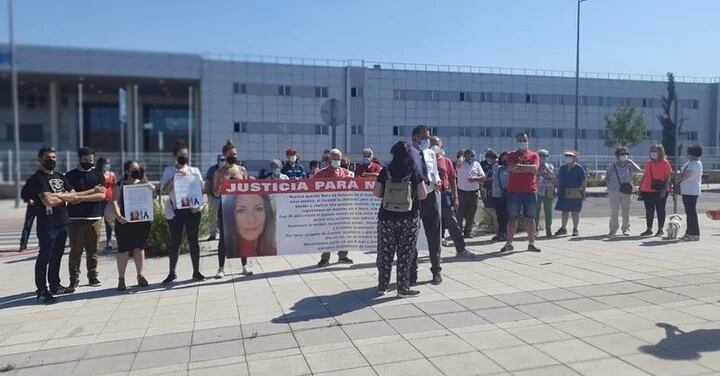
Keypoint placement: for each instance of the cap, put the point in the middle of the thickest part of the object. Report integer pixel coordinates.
(571, 153)
(290, 151)
(543, 152)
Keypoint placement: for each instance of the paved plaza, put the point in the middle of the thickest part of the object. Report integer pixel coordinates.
(588, 306)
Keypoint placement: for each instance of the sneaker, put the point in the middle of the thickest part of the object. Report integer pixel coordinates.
(74, 284)
(94, 282)
(323, 262)
(21, 249)
(507, 248)
(533, 248)
(246, 271)
(169, 279)
(612, 233)
(561, 231)
(382, 291)
(121, 284)
(575, 233)
(60, 290)
(660, 233)
(345, 260)
(197, 276)
(464, 253)
(142, 282)
(445, 243)
(647, 232)
(220, 273)
(626, 232)
(436, 279)
(46, 298)
(548, 234)
(407, 293)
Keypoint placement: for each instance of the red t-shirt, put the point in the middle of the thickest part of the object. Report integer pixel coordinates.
(446, 170)
(329, 172)
(658, 170)
(522, 182)
(372, 168)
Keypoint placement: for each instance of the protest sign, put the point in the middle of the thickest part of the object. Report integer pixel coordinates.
(138, 203)
(286, 217)
(188, 191)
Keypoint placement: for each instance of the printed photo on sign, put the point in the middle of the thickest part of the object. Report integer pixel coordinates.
(249, 225)
(188, 191)
(138, 202)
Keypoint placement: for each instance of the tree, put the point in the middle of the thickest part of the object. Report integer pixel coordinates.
(625, 128)
(668, 119)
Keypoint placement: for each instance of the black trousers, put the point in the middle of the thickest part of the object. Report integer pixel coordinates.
(690, 204)
(466, 210)
(502, 214)
(189, 221)
(221, 241)
(430, 215)
(47, 264)
(654, 203)
(450, 222)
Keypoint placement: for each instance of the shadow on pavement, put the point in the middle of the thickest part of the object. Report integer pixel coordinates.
(680, 345)
(655, 243)
(328, 306)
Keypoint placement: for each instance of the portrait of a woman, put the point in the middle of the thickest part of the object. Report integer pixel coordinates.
(251, 226)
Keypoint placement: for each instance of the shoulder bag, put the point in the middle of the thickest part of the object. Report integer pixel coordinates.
(626, 188)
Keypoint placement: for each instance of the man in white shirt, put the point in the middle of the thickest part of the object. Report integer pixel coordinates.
(470, 175)
(426, 163)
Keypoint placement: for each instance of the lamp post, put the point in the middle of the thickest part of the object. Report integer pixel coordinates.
(577, 75)
(16, 116)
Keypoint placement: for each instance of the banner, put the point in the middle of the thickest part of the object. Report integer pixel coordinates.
(287, 217)
(138, 202)
(188, 191)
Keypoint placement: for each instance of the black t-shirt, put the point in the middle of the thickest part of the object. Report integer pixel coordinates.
(41, 183)
(82, 181)
(415, 179)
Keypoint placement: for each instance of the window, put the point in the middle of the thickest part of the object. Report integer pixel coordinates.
(559, 100)
(284, 90)
(604, 101)
(531, 132)
(236, 88)
(284, 128)
(321, 91)
(486, 97)
(399, 94)
(356, 92)
(396, 131)
(356, 129)
(506, 132)
(485, 132)
(647, 102)
(584, 100)
(627, 102)
(236, 127)
(463, 96)
(692, 136)
(603, 134)
(321, 129)
(531, 98)
(434, 95)
(465, 132)
(29, 132)
(557, 133)
(434, 131)
(506, 98)
(583, 133)
(694, 104)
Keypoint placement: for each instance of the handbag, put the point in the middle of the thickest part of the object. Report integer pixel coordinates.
(573, 193)
(626, 188)
(656, 184)
(676, 182)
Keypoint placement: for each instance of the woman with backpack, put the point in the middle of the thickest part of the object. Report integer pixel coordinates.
(401, 186)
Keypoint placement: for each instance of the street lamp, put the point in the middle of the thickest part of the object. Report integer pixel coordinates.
(577, 74)
(16, 117)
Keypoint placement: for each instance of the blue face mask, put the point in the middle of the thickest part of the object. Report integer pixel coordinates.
(543, 159)
(366, 160)
(470, 160)
(425, 144)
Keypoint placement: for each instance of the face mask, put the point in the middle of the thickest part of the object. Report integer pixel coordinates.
(182, 160)
(425, 144)
(470, 160)
(653, 155)
(292, 159)
(569, 160)
(135, 174)
(49, 164)
(436, 149)
(107, 167)
(543, 158)
(522, 145)
(366, 160)
(87, 165)
(231, 159)
(489, 160)
(623, 158)
(335, 163)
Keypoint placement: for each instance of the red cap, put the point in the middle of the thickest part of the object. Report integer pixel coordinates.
(290, 152)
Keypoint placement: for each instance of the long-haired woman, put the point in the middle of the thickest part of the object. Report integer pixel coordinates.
(654, 188)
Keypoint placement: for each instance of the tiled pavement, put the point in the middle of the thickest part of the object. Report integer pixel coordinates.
(585, 306)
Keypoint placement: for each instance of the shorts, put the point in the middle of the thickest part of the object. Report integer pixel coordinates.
(525, 201)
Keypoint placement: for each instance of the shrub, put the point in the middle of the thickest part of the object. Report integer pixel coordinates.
(159, 238)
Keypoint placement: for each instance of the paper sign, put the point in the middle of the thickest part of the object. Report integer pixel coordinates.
(138, 203)
(188, 191)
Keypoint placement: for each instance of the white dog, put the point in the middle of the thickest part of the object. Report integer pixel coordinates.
(674, 226)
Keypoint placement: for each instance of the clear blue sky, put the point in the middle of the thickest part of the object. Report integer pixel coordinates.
(628, 36)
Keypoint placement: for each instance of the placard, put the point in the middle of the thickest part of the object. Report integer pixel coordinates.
(138, 202)
(287, 217)
(188, 191)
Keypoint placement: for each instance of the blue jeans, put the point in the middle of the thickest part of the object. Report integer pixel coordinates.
(527, 202)
(52, 247)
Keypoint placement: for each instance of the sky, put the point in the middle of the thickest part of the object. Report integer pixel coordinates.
(617, 36)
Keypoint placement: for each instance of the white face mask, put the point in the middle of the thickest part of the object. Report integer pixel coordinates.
(653, 155)
(436, 149)
(523, 145)
(335, 163)
(292, 159)
(623, 158)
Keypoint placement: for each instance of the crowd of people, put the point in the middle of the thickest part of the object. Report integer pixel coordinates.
(419, 185)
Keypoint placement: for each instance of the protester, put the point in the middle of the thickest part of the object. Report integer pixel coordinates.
(459, 159)
(426, 163)
(469, 176)
(104, 167)
(487, 167)
(292, 167)
(400, 186)
(618, 179)
(490, 159)
(654, 188)
(546, 182)
(133, 237)
(276, 171)
(29, 219)
(346, 164)
(314, 168)
(325, 159)
(50, 191)
(571, 192)
(213, 198)
(690, 180)
(86, 219)
(333, 170)
(500, 177)
(229, 171)
(187, 219)
(522, 188)
(448, 196)
(368, 168)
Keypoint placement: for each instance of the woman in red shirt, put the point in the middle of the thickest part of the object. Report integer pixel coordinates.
(654, 188)
(103, 166)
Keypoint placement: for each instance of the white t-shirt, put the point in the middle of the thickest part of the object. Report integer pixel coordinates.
(168, 175)
(467, 171)
(691, 184)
